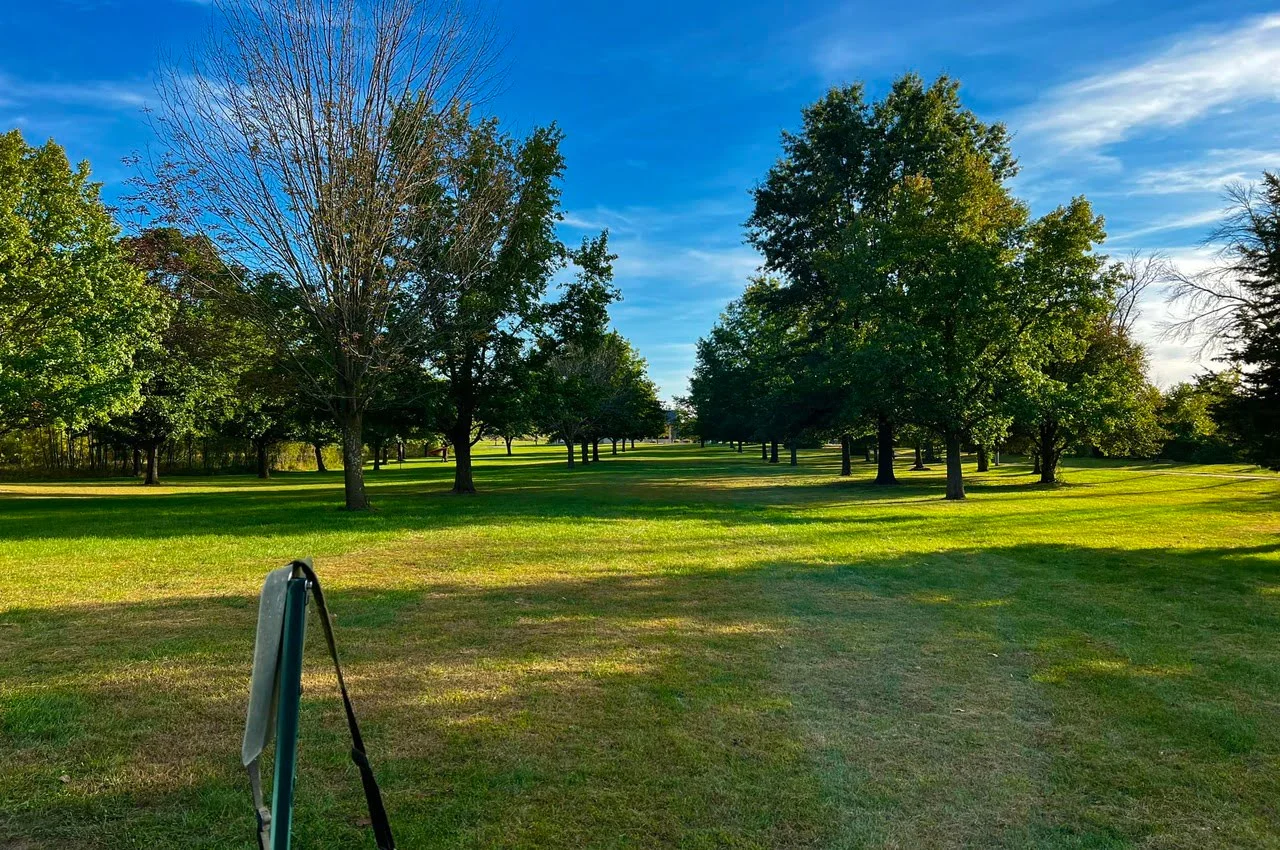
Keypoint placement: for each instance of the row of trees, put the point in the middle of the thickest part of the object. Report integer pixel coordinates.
(332, 149)
(340, 249)
(907, 293)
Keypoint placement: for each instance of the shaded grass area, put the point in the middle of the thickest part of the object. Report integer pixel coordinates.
(673, 648)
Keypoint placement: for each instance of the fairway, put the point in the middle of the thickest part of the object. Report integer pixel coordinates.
(675, 647)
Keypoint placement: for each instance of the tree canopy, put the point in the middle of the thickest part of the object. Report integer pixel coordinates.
(75, 317)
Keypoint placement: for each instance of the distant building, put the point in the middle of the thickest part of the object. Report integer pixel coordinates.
(673, 428)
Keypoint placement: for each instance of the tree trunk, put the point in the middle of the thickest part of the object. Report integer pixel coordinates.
(955, 474)
(633, 444)
(866, 452)
(764, 451)
(508, 439)
(568, 444)
(739, 447)
(586, 448)
(702, 442)
(613, 449)
(353, 461)
(1035, 461)
(984, 460)
(846, 455)
(884, 442)
(773, 451)
(1049, 455)
(462, 481)
(1049, 466)
(929, 456)
(264, 467)
(377, 455)
(153, 473)
(137, 462)
(595, 450)
(919, 464)
(793, 454)
(320, 467)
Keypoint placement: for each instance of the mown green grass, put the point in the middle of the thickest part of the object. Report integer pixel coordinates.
(672, 648)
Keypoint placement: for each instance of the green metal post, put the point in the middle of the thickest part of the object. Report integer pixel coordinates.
(295, 632)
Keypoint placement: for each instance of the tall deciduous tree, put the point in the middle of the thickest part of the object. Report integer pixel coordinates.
(74, 313)
(1085, 376)
(483, 250)
(745, 381)
(191, 376)
(629, 407)
(821, 213)
(571, 362)
(959, 312)
(571, 376)
(719, 387)
(294, 139)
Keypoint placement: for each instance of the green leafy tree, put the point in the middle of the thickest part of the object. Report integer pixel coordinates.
(959, 314)
(1192, 421)
(822, 219)
(629, 408)
(264, 402)
(720, 382)
(483, 250)
(571, 378)
(192, 375)
(1083, 374)
(572, 361)
(511, 407)
(313, 425)
(74, 313)
(407, 405)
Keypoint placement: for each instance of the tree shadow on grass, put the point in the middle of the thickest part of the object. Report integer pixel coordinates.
(1030, 695)
(732, 492)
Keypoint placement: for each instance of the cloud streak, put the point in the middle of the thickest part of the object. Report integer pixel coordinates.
(1218, 169)
(1180, 222)
(105, 95)
(1191, 78)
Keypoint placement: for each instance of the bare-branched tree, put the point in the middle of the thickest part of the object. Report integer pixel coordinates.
(294, 138)
(1137, 273)
(1217, 302)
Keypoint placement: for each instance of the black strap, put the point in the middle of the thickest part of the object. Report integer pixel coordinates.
(372, 795)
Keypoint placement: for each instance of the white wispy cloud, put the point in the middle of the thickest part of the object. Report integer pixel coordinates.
(1194, 76)
(100, 94)
(698, 242)
(680, 267)
(1187, 221)
(841, 42)
(701, 215)
(1213, 172)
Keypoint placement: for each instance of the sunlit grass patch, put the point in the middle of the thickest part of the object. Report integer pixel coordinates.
(673, 648)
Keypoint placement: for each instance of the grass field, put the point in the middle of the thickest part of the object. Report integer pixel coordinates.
(674, 648)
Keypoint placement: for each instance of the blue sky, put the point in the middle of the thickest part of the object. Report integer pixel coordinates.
(672, 112)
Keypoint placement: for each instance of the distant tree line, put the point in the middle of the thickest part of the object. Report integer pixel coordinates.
(907, 295)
